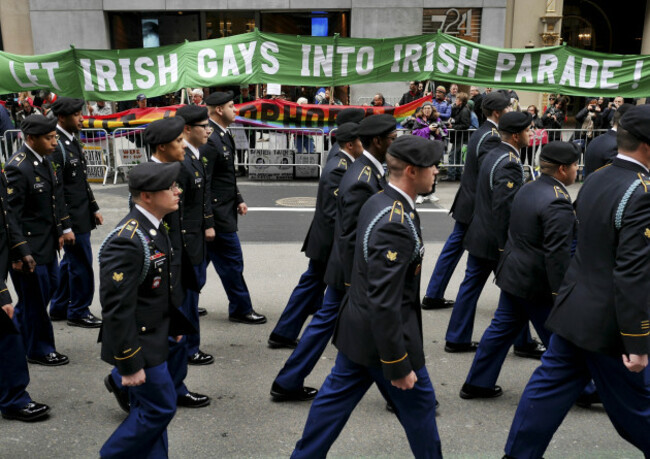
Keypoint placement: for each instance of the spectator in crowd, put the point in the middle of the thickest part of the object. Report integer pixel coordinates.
(608, 116)
(477, 98)
(25, 96)
(413, 94)
(379, 101)
(588, 119)
(409, 122)
(197, 96)
(325, 99)
(474, 123)
(245, 94)
(304, 142)
(553, 118)
(26, 110)
(535, 123)
(100, 108)
(451, 95)
(429, 125)
(6, 125)
(487, 91)
(440, 102)
(603, 149)
(141, 101)
(460, 121)
(550, 102)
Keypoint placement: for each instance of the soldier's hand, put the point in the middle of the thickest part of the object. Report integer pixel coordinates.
(9, 309)
(407, 382)
(209, 234)
(178, 338)
(99, 219)
(17, 265)
(69, 238)
(635, 363)
(242, 209)
(136, 379)
(28, 264)
(60, 242)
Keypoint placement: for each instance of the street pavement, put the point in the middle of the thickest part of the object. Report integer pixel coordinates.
(242, 421)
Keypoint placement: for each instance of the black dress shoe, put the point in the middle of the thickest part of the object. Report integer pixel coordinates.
(193, 400)
(203, 312)
(301, 395)
(121, 395)
(586, 400)
(533, 350)
(29, 413)
(90, 321)
(252, 318)
(469, 391)
(200, 358)
(276, 342)
(461, 347)
(53, 359)
(436, 303)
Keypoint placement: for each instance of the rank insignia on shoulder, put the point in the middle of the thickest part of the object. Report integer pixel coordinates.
(559, 191)
(391, 256)
(343, 163)
(38, 179)
(196, 173)
(10, 190)
(336, 192)
(647, 233)
(118, 277)
(397, 212)
(510, 185)
(495, 131)
(366, 172)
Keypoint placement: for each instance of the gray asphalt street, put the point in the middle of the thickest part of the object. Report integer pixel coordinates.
(242, 421)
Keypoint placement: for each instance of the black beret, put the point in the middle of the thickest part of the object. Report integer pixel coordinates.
(350, 115)
(514, 122)
(347, 132)
(152, 176)
(164, 130)
(67, 106)
(377, 125)
(558, 152)
(495, 101)
(192, 113)
(219, 98)
(416, 150)
(636, 121)
(38, 125)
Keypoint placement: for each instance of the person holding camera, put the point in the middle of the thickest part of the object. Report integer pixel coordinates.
(428, 124)
(589, 118)
(553, 118)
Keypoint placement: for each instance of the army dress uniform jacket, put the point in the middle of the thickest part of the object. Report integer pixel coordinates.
(138, 315)
(225, 197)
(380, 323)
(320, 237)
(10, 236)
(197, 212)
(600, 151)
(482, 141)
(70, 164)
(500, 177)
(360, 182)
(540, 235)
(602, 305)
(32, 197)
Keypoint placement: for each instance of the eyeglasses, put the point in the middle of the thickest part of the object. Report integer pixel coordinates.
(207, 127)
(174, 187)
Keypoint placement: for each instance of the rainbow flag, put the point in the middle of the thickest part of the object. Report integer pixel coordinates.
(266, 113)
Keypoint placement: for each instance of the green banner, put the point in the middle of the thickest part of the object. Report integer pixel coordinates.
(258, 57)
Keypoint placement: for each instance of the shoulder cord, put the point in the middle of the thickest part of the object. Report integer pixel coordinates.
(62, 152)
(618, 221)
(496, 164)
(366, 236)
(145, 244)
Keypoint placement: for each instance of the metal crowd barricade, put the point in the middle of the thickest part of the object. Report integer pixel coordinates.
(273, 153)
(128, 150)
(96, 146)
(10, 142)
